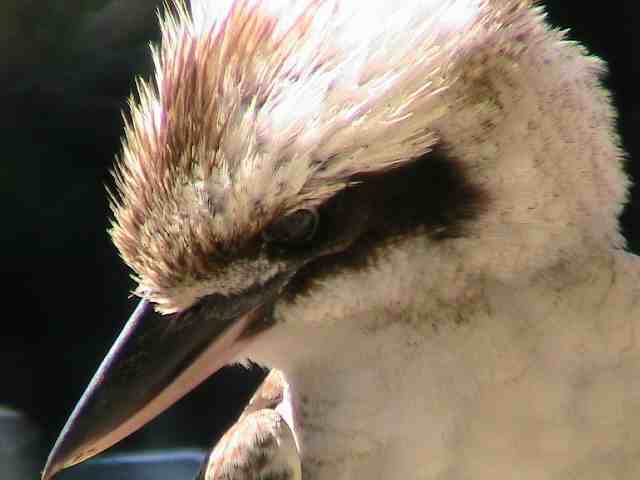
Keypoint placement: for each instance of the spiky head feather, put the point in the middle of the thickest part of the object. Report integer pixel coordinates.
(261, 107)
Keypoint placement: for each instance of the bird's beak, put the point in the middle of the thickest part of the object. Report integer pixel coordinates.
(155, 361)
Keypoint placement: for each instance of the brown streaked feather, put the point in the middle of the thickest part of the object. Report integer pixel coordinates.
(260, 445)
(259, 108)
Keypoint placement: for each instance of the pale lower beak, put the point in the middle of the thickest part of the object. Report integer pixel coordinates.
(155, 361)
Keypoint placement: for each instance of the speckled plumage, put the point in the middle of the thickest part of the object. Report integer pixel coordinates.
(260, 445)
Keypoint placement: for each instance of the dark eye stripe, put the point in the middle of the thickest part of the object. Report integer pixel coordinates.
(432, 195)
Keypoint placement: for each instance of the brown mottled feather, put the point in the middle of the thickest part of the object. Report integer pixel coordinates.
(260, 445)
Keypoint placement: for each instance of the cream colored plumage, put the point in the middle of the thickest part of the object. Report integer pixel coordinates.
(486, 327)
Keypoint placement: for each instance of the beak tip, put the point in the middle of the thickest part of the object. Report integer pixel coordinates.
(60, 456)
(56, 461)
(50, 469)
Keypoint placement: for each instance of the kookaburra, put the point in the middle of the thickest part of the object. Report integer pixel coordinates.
(409, 209)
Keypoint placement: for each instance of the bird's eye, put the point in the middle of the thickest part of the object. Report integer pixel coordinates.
(295, 229)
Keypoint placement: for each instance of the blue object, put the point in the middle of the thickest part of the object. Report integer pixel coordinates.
(152, 465)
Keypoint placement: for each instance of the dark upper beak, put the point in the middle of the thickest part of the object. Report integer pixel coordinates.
(155, 361)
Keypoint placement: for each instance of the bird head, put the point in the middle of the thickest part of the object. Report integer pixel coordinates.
(278, 134)
(255, 121)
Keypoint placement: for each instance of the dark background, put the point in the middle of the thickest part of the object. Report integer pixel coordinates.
(66, 68)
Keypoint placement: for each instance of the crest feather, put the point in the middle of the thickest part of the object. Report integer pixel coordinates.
(260, 107)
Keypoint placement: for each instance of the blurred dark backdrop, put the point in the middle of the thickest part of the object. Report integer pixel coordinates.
(66, 68)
